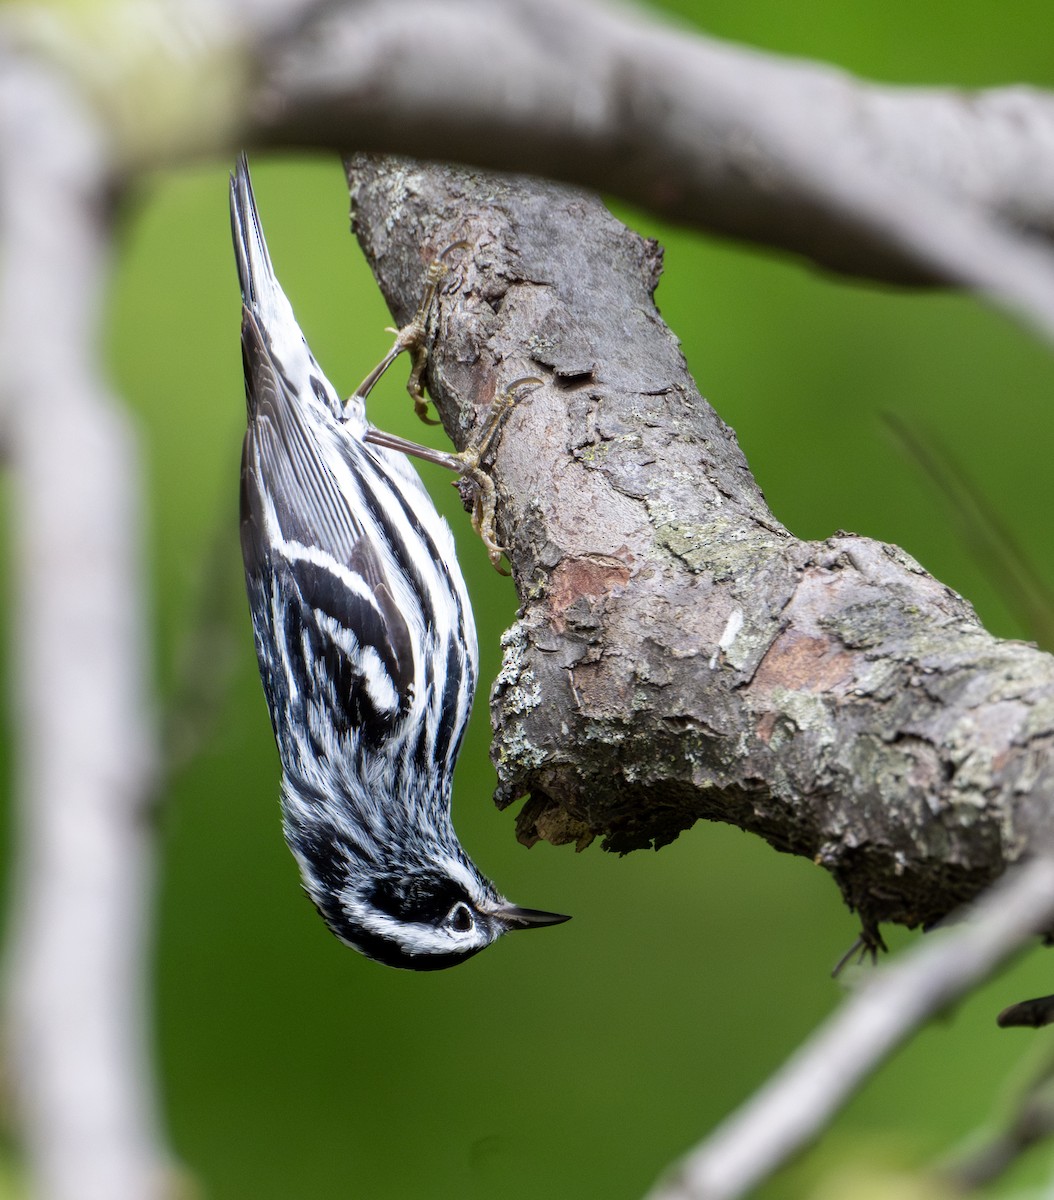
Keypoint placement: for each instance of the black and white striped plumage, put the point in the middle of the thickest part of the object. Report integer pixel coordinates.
(366, 645)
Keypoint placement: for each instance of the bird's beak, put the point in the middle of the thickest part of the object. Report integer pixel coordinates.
(527, 918)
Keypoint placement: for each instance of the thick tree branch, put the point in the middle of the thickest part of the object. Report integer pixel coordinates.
(911, 185)
(76, 1033)
(678, 654)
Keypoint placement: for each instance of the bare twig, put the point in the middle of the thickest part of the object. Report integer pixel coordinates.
(991, 541)
(206, 656)
(798, 1102)
(77, 1035)
(1030, 1121)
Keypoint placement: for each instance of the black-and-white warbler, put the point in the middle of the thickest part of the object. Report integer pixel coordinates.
(366, 644)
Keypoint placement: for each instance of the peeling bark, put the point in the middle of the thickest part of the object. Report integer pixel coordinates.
(678, 654)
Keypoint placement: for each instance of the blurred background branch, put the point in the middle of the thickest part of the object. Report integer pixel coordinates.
(798, 1102)
(785, 153)
(79, 935)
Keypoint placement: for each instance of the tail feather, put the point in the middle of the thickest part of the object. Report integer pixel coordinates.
(261, 291)
(267, 309)
(255, 273)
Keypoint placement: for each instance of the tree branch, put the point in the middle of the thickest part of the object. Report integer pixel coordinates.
(76, 1035)
(909, 185)
(798, 1101)
(1028, 1122)
(678, 654)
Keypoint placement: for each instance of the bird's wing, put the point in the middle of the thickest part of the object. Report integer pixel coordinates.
(307, 559)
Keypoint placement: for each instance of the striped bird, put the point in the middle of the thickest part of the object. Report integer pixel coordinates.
(366, 646)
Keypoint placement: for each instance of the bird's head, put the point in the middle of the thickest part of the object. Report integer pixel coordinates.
(428, 917)
(416, 902)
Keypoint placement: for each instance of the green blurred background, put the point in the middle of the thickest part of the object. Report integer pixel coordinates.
(577, 1061)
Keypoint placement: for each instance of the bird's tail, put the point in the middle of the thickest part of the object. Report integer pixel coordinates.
(262, 294)
(269, 328)
(255, 273)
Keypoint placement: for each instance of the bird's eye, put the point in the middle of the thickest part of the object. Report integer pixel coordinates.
(460, 918)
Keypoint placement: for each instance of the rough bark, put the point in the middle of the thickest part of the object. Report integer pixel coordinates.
(678, 654)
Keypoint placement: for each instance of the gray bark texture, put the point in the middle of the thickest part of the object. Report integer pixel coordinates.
(678, 654)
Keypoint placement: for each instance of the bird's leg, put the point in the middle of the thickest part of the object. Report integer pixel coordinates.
(411, 338)
(472, 456)
(869, 944)
(468, 462)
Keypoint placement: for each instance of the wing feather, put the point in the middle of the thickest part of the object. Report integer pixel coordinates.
(299, 534)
